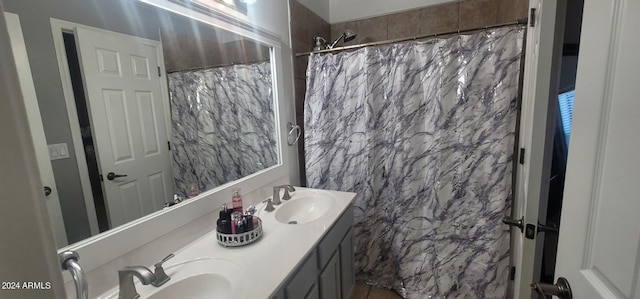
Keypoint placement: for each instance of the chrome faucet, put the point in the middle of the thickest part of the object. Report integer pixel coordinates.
(286, 196)
(127, 287)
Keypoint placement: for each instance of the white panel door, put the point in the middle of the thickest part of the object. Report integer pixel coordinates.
(37, 130)
(127, 109)
(599, 247)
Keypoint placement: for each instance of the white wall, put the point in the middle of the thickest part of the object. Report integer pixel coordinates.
(28, 251)
(274, 16)
(336, 11)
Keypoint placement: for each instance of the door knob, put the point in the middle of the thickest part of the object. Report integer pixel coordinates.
(111, 176)
(561, 289)
(47, 190)
(512, 222)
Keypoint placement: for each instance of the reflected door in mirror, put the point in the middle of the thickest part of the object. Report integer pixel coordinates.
(127, 110)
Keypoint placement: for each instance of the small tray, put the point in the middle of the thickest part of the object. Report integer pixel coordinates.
(235, 240)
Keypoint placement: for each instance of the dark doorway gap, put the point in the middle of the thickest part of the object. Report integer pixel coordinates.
(571, 48)
(75, 73)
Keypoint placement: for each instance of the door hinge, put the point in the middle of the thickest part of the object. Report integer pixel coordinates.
(159, 72)
(521, 156)
(169, 145)
(512, 222)
(550, 228)
(512, 273)
(530, 231)
(532, 18)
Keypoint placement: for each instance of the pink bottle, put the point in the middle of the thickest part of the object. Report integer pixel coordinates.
(236, 202)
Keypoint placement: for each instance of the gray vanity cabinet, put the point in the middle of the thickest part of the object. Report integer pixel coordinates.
(328, 271)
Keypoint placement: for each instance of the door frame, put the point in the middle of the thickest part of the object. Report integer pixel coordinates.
(30, 242)
(541, 73)
(34, 117)
(57, 28)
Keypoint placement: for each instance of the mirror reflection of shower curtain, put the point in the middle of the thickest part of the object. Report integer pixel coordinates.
(223, 124)
(424, 132)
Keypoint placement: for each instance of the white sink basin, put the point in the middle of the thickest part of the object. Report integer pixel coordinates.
(303, 209)
(209, 278)
(199, 278)
(202, 286)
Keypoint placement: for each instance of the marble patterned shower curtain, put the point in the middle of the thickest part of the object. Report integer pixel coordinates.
(223, 124)
(424, 133)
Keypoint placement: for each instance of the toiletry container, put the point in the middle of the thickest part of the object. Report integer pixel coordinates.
(193, 191)
(224, 221)
(236, 202)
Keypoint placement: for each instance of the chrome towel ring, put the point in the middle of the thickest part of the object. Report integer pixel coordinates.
(291, 127)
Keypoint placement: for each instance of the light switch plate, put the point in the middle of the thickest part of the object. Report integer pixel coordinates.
(58, 151)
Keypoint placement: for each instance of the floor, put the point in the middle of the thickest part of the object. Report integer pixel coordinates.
(365, 291)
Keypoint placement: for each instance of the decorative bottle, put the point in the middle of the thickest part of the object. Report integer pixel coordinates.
(236, 202)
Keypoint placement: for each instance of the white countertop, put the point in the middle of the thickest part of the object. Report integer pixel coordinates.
(263, 266)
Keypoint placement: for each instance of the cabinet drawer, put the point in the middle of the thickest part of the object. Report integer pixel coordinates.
(329, 244)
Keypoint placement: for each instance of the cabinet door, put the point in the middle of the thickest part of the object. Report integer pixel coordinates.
(305, 278)
(329, 279)
(329, 244)
(279, 294)
(313, 293)
(347, 264)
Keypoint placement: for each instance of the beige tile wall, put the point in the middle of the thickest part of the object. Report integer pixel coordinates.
(451, 16)
(433, 19)
(185, 51)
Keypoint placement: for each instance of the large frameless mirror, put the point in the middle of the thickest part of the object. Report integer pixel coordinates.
(142, 108)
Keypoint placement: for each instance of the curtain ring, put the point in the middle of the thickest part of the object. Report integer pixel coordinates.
(292, 128)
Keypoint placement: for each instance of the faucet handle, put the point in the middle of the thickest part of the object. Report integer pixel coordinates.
(161, 276)
(166, 258)
(269, 207)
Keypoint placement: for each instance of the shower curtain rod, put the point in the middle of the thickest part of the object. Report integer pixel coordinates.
(399, 40)
(198, 68)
